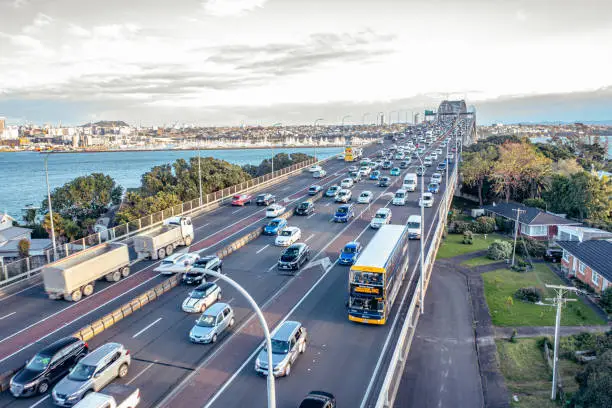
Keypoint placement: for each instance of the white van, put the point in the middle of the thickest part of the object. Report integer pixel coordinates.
(400, 197)
(410, 182)
(414, 227)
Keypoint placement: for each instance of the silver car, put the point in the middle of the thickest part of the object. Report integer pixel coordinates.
(92, 373)
(288, 342)
(202, 297)
(212, 323)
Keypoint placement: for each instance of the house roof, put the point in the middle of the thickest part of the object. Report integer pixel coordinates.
(14, 232)
(530, 216)
(595, 253)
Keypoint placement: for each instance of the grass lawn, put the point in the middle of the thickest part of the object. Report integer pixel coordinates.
(453, 245)
(527, 374)
(501, 284)
(481, 260)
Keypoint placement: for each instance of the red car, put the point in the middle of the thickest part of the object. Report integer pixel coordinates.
(242, 199)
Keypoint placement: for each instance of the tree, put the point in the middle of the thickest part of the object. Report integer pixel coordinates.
(566, 167)
(29, 216)
(499, 250)
(595, 383)
(136, 206)
(606, 300)
(23, 246)
(58, 225)
(535, 202)
(555, 152)
(477, 166)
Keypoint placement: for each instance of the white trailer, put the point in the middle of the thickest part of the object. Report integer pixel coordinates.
(161, 241)
(112, 396)
(74, 276)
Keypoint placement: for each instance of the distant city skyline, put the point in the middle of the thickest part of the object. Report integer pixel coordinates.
(232, 62)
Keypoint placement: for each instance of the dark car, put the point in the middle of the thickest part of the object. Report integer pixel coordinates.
(294, 256)
(48, 366)
(319, 399)
(384, 182)
(197, 274)
(344, 213)
(305, 208)
(553, 255)
(314, 189)
(403, 164)
(265, 199)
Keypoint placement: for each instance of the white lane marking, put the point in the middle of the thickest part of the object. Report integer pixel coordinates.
(141, 373)
(202, 226)
(240, 209)
(8, 315)
(272, 267)
(310, 216)
(230, 301)
(147, 327)
(328, 204)
(264, 247)
(309, 238)
(40, 401)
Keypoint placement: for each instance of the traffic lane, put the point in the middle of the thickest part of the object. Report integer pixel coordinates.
(442, 367)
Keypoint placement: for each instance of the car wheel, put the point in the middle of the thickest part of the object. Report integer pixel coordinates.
(232, 322)
(43, 387)
(219, 296)
(303, 348)
(203, 308)
(214, 338)
(123, 370)
(288, 370)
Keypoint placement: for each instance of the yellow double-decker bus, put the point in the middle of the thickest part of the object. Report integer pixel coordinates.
(376, 276)
(348, 154)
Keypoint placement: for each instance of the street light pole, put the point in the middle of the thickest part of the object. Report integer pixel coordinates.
(315, 147)
(199, 173)
(50, 208)
(272, 146)
(422, 257)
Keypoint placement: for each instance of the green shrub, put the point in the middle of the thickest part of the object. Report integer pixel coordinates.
(459, 227)
(483, 225)
(499, 250)
(468, 237)
(531, 295)
(534, 248)
(535, 202)
(606, 300)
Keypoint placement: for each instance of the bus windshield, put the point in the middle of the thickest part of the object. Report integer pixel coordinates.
(367, 278)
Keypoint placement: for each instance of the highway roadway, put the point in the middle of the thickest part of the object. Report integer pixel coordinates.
(173, 372)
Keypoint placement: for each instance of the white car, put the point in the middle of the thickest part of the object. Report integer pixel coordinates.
(427, 200)
(315, 167)
(202, 297)
(340, 157)
(274, 210)
(434, 156)
(319, 174)
(450, 156)
(365, 170)
(436, 178)
(365, 197)
(352, 168)
(399, 198)
(343, 196)
(288, 236)
(427, 162)
(382, 217)
(177, 263)
(439, 151)
(347, 183)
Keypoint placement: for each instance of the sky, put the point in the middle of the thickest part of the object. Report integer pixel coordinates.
(258, 62)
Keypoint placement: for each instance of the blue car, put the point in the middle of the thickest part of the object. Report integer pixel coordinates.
(349, 253)
(433, 188)
(442, 166)
(344, 213)
(374, 175)
(395, 171)
(275, 227)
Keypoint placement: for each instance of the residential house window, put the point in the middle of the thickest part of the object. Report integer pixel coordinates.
(565, 256)
(538, 230)
(581, 267)
(595, 277)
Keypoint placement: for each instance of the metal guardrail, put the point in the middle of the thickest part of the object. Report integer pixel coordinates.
(28, 267)
(393, 376)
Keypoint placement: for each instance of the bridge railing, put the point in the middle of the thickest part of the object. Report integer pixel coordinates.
(25, 268)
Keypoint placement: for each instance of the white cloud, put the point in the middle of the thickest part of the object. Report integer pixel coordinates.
(224, 8)
(20, 3)
(78, 31)
(41, 20)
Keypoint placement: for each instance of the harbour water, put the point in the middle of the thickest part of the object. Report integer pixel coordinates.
(23, 175)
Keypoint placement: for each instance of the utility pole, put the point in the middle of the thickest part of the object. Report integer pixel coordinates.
(199, 173)
(422, 257)
(315, 129)
(50, 209)
(272, 145)
(558, 301)
(516, 228)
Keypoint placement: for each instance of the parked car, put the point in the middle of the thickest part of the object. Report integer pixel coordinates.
(375, 175)
(382, 217)
(47, 366)
(265, 199)
(395, 171)
(347, 183)
(344, 196)
(197, 274)
(349, 253)
(201, 297)
(318, 399)
(212, 323)
(433, 188)
(288, 236)
(344, 213)
(176, 263)
(365, 197)
(427, 200)
(314, 189)
(305, 208)
(288, 342)
(553, 255)
(92, 373)
(294, 256)
(332, 191)
(275, 226)
(274, 210)
(242, 199)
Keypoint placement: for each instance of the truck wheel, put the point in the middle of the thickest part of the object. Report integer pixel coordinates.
(161, 253)
(113, 276)
(188, 241)
(76, 295)
(125, 271)
(169, 250)
(88, 289)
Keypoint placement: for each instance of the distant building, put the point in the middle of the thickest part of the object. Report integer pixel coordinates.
(2, 124)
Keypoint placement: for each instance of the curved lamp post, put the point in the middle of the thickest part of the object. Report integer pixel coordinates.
(272, 145)
(50, 208)
(422, 205)
(315, 146)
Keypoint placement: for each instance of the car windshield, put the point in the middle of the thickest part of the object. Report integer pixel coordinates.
(342, 210)
(290, 254)
(206, 321)
(381, 216)
(313, 189)
(414, 225)
(286, 233)
(272, 208)
(81, 372)
(38, 363)
(279, 347)
(274, 223)
(433, 185)
(365, 195)
(304, 206)
(349, 250)
(261, 197)
(334, 188)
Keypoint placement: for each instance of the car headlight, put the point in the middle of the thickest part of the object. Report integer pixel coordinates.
(30, 384)
(72, 397)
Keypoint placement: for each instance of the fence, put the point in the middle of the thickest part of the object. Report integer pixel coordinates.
(393, 376)
(27, 267)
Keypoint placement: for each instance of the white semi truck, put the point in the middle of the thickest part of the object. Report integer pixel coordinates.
(161, 242)
(75, 276)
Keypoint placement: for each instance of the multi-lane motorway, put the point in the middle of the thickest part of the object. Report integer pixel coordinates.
(341, 357)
